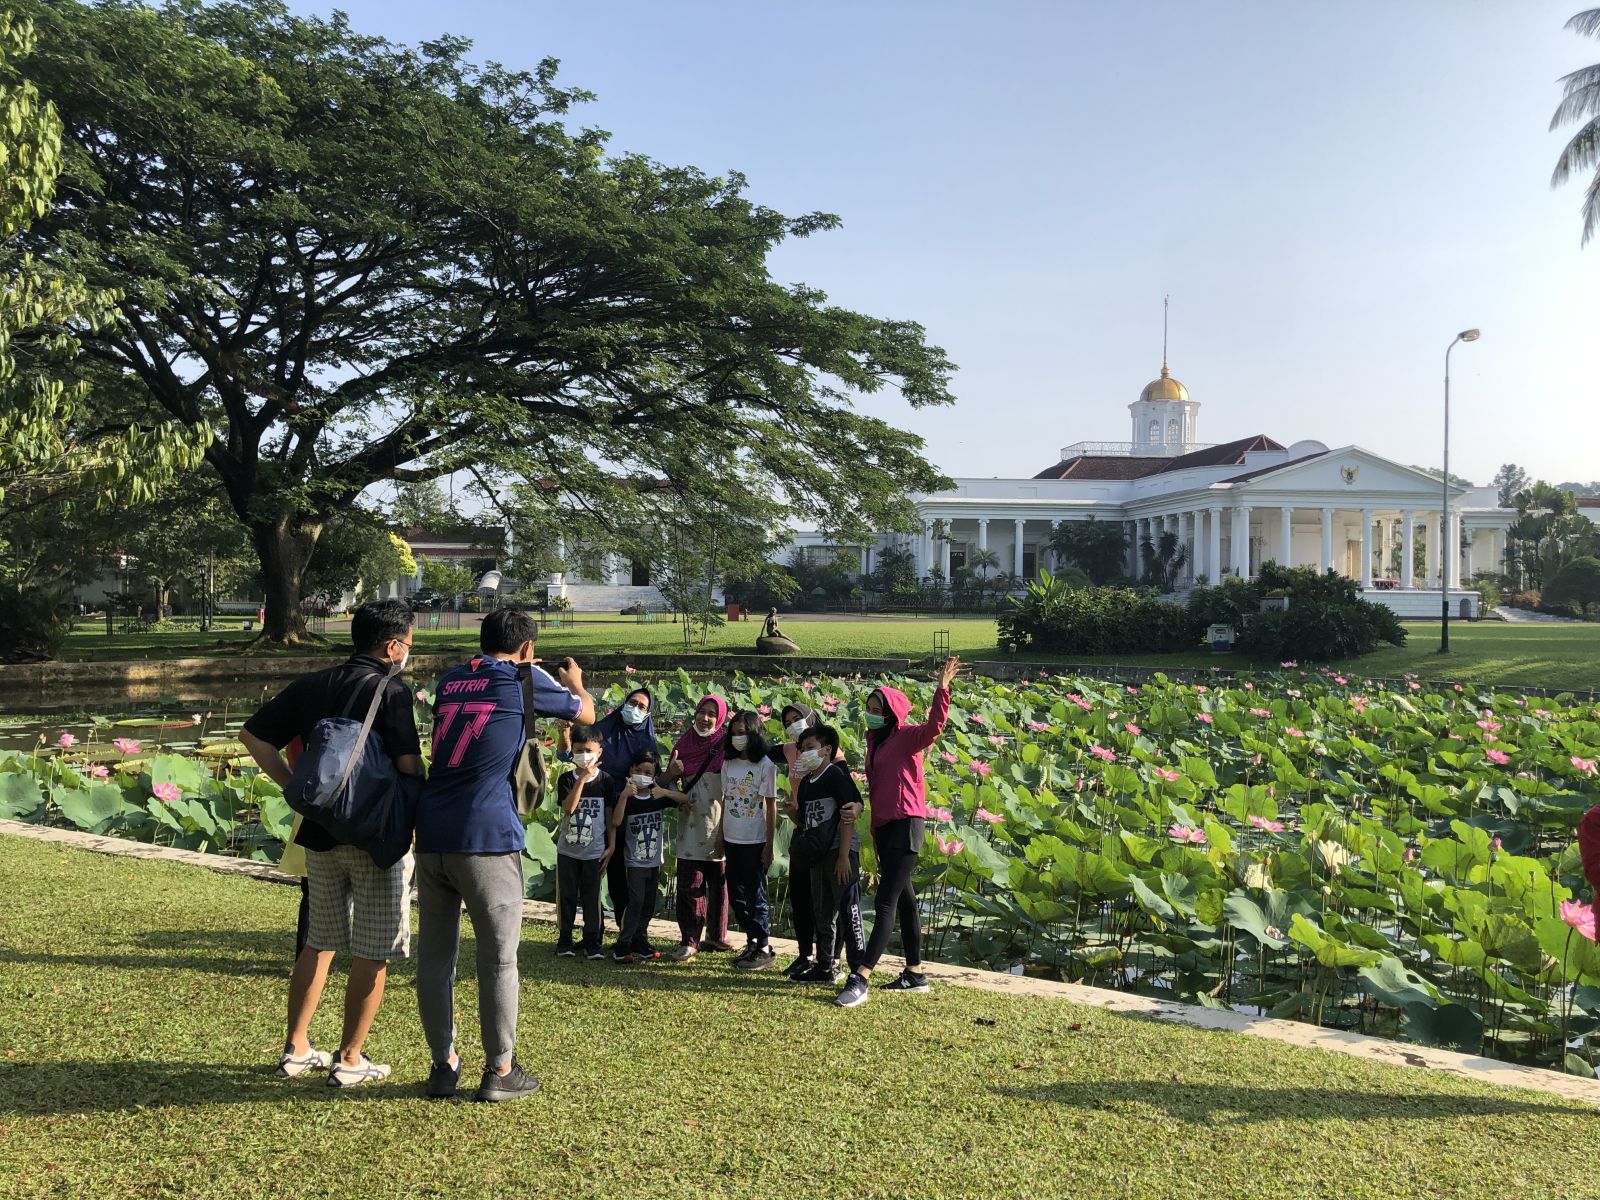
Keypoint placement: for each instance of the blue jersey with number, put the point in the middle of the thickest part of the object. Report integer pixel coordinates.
(467, 804)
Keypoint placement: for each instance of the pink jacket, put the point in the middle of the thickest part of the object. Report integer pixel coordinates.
(894, 758)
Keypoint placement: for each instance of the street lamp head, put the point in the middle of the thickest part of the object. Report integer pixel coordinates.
(1468, 335)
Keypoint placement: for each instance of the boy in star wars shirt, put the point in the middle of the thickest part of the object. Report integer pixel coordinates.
(585, 842)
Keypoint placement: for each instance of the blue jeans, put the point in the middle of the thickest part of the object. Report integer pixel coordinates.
(747, 891)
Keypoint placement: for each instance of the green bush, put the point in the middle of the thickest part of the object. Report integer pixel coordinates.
(1097, 620)
(1327, 616)
(30, 625)
(1575, 588)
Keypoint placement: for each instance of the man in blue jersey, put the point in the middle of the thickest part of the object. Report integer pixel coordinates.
(469, 844)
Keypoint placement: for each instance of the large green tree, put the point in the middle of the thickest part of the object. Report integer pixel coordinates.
(362, 263)
(1581, 106)
(1097, 548)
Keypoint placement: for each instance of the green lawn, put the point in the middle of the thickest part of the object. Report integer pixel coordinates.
(140, 1018)
(1554, 656)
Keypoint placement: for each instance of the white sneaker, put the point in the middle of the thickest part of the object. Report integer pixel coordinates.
(292, 1066)
(366, 1071)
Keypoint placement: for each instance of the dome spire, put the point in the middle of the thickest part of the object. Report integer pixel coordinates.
(1165, 300)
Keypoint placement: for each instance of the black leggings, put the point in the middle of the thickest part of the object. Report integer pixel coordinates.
(897, 843)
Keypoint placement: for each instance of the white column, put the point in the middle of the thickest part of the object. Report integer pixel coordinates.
(1385, 545)
(944, 550)
(1408, 549)
(1016, 550)
(1185, 537)
(983, 533)
(1327, 540)
(1452, 549)
(866, 561)
(1366, 548)
(558, 577)
(925, 549)
(1430, 546)
(1138, 547)
(1286, 539)
(1214, 545)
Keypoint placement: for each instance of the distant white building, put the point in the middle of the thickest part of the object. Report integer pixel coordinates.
(1232, 506)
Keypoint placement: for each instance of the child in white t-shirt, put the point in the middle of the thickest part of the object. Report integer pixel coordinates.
(749, 817)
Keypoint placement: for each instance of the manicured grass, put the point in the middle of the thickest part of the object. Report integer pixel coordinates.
(1549, 656)
(140, 1017)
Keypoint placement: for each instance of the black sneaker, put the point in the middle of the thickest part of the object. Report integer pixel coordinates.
(442, 1080)
(566, 950)
(799, 966)
(513, 1085)
(755, 959)
(909, 981)
(594, 954)
(621, 954)
(749, 949)
(854, 994)
(827, 973)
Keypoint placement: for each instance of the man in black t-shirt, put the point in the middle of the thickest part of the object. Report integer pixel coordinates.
(355, 905)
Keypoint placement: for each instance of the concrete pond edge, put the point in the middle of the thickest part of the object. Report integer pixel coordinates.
(1293, 1033)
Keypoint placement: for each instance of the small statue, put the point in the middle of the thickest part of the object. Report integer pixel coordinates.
(772, 639)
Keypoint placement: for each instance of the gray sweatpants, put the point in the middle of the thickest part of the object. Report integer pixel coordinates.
(491, 887)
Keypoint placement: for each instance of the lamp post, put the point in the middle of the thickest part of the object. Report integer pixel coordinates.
(1445, 548)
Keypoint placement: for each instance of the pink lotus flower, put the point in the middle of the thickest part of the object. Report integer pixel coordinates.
(764, 710)
(66, 741)
(808, 686)
(1414, 686)
(951, 847)
(1459, 688)
(830, 698)
(1133, 729)
(940, 814)
(981, 768)
(629, 670)
(1541, 712)
(1264, 823)
(1580, 916)
(1259, 712)
(1132, 691)
(165, 792)
(99, 771)
(1486, 724)
(1074, 698)
(1288, 664)
(1256, 761)
(422, 696)
(1202, 689)
(1495, 845)
(1340, 680)
(1205, 718)
(1292, 731)
(859, 776)
(1103, 754)
(126, 745)
(1038, 727)
(1489, 737)
(1187, 833)
(949, 758)
(1498, 756)
(1166, 776)
(1249, 687)
(1586, 765)
(996, 740)
(978, 719)
(983, 814)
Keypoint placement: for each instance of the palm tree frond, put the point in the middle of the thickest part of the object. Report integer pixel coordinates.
(1586, 23)
(1581, 153)
(1579, 102)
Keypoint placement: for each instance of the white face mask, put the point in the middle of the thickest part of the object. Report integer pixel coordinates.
(740, 741)
(808, 760)
(705, 726)
(797, 728)
(396, 667)
(584, 758)
(642, 783)
(632, 715)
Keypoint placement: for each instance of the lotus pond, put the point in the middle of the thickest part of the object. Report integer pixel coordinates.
(1388, 859)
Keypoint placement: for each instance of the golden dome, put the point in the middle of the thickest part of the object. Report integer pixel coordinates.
(1165, 388)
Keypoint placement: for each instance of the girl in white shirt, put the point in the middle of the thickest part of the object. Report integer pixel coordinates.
(749, 819)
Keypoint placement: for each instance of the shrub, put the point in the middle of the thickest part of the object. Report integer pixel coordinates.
(1576, 586)
(1326, 618)
(1527, 600)
(1488, 592)
(1102, 620)
(30, 625)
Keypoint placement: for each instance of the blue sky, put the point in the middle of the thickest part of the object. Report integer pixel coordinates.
(1328, 194)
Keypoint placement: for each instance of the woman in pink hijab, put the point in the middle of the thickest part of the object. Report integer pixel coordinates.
(695, 768)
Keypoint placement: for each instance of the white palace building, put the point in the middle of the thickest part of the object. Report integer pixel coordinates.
(1233, 506)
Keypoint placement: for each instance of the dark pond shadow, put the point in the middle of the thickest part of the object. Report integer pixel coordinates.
(1233, 1104)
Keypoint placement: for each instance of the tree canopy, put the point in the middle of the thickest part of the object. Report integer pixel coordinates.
(1580, 105)
(362, 263)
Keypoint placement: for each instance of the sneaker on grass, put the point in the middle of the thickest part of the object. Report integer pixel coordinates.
(594, 954)
(566, 950)
(716, 945)
(513, 1085)
(755, 959)
(682, 952)
(854, 994)
(292, 1065)
(365, 1071)
(909, 981)
(799, 967)
(827, 973)
(442, 1080)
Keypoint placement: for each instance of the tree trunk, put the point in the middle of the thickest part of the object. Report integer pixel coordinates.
(284, 548)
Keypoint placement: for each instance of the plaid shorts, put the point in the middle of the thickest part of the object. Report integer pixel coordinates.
(357, 906)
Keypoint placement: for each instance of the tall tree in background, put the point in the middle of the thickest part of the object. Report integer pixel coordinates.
(363, 263)
(1097, 548)
(1509, 480)
(1581, 105)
